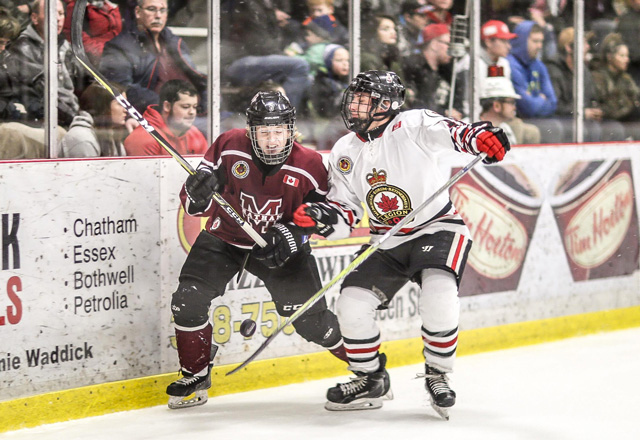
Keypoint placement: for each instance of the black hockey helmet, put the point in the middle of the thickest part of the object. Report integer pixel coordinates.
(382, 86)
(271, 108)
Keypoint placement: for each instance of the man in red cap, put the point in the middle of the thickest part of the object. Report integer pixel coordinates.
(425, 75)
(496, 44)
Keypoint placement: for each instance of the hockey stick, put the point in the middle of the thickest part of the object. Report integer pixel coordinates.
(77, 47)
(358, 261)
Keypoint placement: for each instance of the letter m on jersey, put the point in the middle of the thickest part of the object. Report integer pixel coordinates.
(261, 217)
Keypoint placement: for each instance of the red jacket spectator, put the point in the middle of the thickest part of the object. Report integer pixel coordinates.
(101, 24)
(141, 143)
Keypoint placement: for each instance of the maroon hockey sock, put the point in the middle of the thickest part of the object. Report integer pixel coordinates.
(340, 353)
(194, 348)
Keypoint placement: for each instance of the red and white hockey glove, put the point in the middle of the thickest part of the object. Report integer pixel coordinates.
(494, 142)
(316, 218)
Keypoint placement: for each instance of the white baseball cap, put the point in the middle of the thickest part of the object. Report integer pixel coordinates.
(498, 87)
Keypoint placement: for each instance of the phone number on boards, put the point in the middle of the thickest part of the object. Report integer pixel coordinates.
(263, 313)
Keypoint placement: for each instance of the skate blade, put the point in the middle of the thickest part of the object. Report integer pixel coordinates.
(442, 412)
(356, 405)
(179, 402)
(388, 396)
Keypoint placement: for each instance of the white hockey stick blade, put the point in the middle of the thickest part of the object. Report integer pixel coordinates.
(199, 398)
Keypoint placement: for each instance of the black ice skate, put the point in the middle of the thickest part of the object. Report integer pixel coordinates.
(366, 391)
(181, 390)
(442, 397)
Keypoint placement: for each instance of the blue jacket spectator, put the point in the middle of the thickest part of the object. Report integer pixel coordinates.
(131, 59)
(529, 75)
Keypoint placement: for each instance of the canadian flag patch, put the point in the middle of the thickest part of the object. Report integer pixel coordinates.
(290, 180)
(396, 126)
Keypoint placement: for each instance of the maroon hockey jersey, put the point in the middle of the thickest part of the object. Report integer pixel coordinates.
(262, 200)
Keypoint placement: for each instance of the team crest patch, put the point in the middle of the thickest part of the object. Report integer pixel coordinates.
(388, 204)
(216, 224)
(240, 169)
(345, 165)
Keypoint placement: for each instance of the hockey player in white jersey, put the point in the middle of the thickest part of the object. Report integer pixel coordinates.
(390, 164)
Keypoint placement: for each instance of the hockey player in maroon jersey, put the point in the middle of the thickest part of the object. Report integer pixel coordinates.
(265, 175)
(389, 164)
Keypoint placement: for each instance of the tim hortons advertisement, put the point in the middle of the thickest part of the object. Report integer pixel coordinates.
(500, 205)
(595, 208)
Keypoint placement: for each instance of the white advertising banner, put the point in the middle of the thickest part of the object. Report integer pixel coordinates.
(91, 252)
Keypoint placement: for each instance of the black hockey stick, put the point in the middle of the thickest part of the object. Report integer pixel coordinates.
(358, 261)
(77, 47)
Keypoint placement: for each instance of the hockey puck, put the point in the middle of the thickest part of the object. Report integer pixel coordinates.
(248, 328)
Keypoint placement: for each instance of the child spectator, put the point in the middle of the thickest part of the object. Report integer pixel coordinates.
(319, 8)
(318, 33)
(98, 130)
(326, 96)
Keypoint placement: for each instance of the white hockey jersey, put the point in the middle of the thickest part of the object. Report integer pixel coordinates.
(395, 173)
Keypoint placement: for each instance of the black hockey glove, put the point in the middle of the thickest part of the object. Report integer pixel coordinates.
(282, 242)
(494, 142)
(200, 188)
(317, 218)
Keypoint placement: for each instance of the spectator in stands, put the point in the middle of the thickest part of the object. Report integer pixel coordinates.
(255, 35)
(18, 9)
(427, 74)
(326, 97)
(319, 8)
(331, 81)
(439, 11)
(318, 33)
(102, 22)
(561, 70)
(495, 40)
(413, 18)
(144, 58)
(531, 81)
(28, 50)
(380, 45)
(17, 140)
(498, 101)
(617, 93)
(173, 117)
(629, 28)
(11, 109)
(99, 128)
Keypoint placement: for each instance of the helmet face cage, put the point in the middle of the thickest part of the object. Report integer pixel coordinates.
(379, 86)
(271, 109)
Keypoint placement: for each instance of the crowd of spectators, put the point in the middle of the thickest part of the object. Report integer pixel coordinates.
(302, 48)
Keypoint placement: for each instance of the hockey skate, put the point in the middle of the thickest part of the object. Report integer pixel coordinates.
(180, 392)
(365, 391)
(441, 395)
